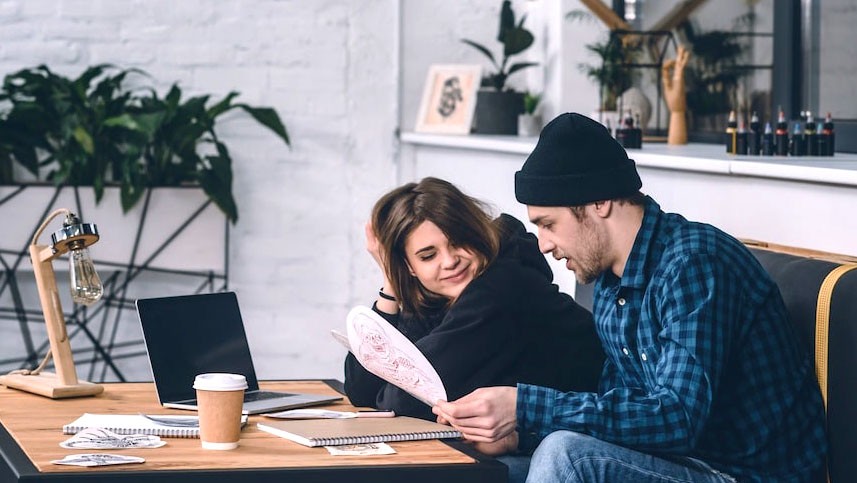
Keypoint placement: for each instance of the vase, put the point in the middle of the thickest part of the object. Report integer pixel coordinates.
(635, 100)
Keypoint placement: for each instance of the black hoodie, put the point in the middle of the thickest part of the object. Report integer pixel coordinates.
(511, 324)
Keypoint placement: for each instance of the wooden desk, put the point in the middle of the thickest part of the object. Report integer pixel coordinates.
(31, 433)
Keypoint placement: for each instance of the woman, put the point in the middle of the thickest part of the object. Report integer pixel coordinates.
(475, 296)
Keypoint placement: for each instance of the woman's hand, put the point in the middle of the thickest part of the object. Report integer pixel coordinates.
(374, 247)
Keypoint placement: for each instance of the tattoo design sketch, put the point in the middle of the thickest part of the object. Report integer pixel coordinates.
(450, 96)
(97, 438)
(387, 353)
(97, 459)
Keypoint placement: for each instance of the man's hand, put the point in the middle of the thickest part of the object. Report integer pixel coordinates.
(504, 446)
(486, 415)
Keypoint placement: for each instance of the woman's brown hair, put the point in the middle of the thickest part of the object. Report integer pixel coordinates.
(464, 221)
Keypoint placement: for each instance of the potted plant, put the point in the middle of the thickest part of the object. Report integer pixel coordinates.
(611, 73)
(530, 122)
(497, 105)
(94, 131)
(714, 73)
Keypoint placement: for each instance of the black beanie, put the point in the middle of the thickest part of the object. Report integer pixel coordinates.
(575, 162)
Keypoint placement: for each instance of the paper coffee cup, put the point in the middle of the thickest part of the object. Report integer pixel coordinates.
(220, 398)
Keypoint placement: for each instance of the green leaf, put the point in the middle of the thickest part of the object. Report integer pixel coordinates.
(131, 190)
(517, 41)
(83, 81)
(224, 105)
(507, 20)
(124, 120)
(268, 118)
(482, 49)
(84, 139)
(521, 65)
(26, 156)
(174, 95)
(217, 182)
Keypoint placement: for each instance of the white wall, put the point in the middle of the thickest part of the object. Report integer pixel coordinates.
(432, 33)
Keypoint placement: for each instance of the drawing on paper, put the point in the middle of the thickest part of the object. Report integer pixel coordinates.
(97, 459)
(98, 438)
(388, 354)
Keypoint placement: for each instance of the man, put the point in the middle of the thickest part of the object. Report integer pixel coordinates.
(704, 378)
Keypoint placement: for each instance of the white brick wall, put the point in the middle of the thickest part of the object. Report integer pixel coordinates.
(330, 69)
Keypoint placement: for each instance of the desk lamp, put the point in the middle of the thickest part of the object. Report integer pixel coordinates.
(86, 289)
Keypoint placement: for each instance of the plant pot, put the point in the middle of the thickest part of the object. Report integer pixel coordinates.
(529, 125)
(497, 112)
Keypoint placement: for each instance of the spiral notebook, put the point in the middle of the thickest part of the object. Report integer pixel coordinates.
(333, 432)
(166, 425)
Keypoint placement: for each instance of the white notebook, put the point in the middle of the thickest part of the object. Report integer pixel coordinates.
(172, 426)
(333, 432)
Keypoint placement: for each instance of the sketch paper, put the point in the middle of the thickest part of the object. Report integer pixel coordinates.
(97, 459)
(387, 353)
(341, 338)
(97, 438)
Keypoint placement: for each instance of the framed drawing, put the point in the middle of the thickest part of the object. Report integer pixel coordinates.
(449, 98)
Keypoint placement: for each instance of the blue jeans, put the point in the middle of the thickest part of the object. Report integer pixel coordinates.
(569, 457)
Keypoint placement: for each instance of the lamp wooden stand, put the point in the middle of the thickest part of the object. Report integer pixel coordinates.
(64, 383)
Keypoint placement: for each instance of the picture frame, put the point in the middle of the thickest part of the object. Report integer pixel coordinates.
(449, 99)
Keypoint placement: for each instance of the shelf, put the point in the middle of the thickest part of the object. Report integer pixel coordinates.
(701, 158)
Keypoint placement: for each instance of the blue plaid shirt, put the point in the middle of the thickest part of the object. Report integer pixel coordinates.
(702, 361)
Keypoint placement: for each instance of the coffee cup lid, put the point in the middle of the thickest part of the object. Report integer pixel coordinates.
(218, 381)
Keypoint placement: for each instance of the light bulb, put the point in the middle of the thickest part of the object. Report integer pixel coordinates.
(86, 287)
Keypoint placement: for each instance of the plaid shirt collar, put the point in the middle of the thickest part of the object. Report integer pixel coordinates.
(636, 267)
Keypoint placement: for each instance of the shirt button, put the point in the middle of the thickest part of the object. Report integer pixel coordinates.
(643, 356)
(621, 301)
(626, 351)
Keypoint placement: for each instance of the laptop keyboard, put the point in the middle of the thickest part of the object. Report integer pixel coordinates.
(263, 395)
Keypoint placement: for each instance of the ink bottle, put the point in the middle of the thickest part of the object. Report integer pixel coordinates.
(810, 136)
(782, 135)
(797, 144)
(731, 133)
(768, 140)
(638, 132)
(827, 130)
(823, 144)
(741, 138)
(754, 145)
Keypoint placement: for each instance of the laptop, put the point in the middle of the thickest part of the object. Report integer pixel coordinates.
(195, 334)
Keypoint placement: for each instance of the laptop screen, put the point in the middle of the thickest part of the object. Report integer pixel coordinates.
(194, 334)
